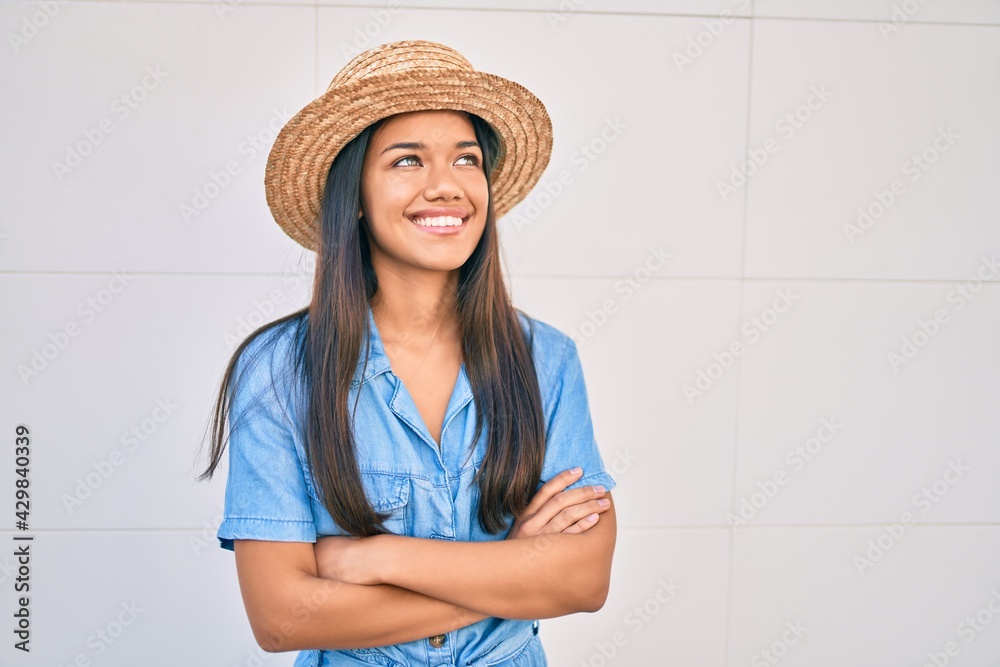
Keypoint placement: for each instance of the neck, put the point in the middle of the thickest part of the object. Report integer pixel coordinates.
(416, 307)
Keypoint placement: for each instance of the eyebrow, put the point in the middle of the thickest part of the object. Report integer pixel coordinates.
(420, 146)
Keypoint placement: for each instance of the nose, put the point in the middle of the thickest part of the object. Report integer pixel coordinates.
(441, 183)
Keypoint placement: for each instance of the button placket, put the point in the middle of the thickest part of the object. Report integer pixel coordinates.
(439, 651)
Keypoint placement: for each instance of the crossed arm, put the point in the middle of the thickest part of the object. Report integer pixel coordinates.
(351, 592)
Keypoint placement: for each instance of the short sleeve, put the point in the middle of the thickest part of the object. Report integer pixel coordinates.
(266, 495)
(570, 438)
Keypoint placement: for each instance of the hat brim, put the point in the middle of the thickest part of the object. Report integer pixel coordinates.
(300, 159)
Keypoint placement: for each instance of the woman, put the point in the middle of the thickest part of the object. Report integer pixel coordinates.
(387, 443)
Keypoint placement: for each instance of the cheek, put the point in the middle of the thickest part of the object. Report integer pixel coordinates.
(387, 199)
(477, 191)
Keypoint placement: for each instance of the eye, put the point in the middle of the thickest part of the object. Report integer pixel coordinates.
(474, 160)
(403, 159)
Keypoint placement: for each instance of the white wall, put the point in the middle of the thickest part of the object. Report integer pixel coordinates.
(839, 97)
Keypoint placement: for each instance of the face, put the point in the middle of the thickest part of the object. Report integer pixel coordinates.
(422, 174)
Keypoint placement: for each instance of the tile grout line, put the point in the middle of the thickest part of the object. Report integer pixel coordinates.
(526, 276)
(731, 561)
(592, 12)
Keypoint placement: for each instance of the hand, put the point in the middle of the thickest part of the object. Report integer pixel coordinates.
(553, 510)
(346, 559)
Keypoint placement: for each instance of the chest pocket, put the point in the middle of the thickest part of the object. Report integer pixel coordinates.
(387, 492)
(390, 493)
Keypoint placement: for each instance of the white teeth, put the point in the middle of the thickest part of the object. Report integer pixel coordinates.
(439, 221)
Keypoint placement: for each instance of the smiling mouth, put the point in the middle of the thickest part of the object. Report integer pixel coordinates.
(439, 221)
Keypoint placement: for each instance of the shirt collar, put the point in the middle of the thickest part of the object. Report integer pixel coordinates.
(378, 361)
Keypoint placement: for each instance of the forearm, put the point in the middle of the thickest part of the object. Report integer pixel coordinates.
(317, 613)
(529, 578)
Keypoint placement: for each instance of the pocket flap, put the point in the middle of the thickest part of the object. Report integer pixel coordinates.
(386, 491)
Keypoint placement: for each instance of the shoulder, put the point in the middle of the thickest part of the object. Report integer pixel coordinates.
(550, 349)
(269, 357)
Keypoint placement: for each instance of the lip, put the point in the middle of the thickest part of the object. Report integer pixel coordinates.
(452, 211)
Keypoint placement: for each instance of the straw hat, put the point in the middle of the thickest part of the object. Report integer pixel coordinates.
(394, 78)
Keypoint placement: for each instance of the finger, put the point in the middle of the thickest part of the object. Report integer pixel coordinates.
(564, 499)
(575, 513)
(552, 487)
(584, 524)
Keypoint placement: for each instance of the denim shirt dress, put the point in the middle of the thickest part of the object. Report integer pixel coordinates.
(429, 490)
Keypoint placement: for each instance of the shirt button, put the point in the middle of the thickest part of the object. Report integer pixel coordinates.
(437, 641)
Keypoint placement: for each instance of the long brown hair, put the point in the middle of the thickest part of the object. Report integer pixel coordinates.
(496, 351)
